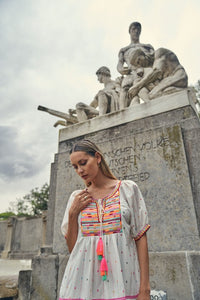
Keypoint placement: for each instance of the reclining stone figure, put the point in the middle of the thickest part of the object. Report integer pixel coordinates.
(166, 76)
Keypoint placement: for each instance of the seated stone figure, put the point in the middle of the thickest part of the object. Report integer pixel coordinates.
(132, 63)
(166, 76)
(106, 100)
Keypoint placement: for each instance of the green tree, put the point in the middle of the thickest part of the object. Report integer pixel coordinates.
(33, 203)
(6, 215)
(38, 199)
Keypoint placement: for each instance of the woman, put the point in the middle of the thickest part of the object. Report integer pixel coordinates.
(105, 229)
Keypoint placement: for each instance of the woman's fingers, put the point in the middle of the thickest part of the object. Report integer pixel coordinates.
(84, 195)
(82, 200)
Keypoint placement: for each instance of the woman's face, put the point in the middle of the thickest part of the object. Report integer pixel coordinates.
(85, 165)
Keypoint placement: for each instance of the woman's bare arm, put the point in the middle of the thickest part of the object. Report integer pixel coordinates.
(143, 257)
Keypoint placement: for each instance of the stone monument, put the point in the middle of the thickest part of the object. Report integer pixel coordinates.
(155, 143)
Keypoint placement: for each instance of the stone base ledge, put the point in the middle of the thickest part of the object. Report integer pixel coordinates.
(132, 113)
(177, 273)
(22, 255)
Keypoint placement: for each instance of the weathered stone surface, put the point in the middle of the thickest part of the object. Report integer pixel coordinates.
(163, 104)
(26, 237)
(21, 238)
(24, 284)
(173, 272)
(10, 267)
(192, 146)
(44, 277)
(193, 260)
(51, 203)
(11, 222)
(3, 232)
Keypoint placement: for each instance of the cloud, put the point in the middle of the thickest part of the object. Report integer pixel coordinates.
(14, 162)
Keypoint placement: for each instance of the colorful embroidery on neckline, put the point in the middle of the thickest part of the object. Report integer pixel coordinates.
(112, 223)
(111, 193)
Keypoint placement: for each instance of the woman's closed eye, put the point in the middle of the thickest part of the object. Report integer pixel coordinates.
(83, 162)
(80, 163)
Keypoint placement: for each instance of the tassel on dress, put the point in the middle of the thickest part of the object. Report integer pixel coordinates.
(104, 268)
(100, 253)
(100, 249)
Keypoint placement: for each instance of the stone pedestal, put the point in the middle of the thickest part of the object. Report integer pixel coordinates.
(24, 284)
(44, 277)
(156, 145)
(177, 272)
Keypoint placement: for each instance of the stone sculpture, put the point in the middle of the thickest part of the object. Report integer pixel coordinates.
(146, 74)
(69, 118)
(166, 76)
(133, 60)
(107, 99)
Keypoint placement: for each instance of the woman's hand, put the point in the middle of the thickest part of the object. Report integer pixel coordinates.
(81, 200)
(142, 250)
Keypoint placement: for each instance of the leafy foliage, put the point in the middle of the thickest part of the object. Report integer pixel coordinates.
(6, 215)
(33, 203)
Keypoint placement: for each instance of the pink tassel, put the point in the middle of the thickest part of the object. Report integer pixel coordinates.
(99, 249)
(104, 269)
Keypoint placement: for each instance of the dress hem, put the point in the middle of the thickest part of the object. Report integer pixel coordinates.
(120, 298)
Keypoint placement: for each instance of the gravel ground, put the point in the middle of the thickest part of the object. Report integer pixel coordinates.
(9, 271)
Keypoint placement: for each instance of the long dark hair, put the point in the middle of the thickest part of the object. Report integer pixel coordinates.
(90, 148)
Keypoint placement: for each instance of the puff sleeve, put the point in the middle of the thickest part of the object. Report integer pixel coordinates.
(64, 224)
(139, 223)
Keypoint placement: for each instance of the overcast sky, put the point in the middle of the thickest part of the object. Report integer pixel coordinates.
(49, 53)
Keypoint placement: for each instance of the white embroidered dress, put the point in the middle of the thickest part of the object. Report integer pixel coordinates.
(125, 220)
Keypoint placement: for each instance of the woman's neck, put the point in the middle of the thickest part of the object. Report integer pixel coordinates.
(102, 189)
(101, 181)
